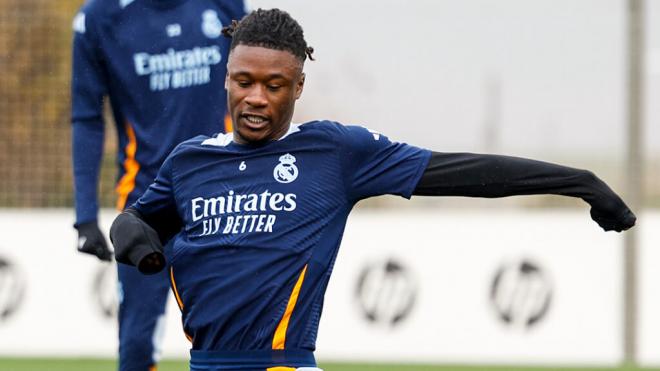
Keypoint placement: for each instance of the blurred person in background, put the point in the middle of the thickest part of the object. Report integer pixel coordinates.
(257, 215)
(162, 63)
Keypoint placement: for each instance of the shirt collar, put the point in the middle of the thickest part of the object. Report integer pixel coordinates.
(223, 140)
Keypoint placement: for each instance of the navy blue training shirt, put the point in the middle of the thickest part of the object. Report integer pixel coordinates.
(262, 226)
(163, 64)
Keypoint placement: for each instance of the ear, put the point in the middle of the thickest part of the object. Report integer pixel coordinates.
(300, 85)
(227, 80)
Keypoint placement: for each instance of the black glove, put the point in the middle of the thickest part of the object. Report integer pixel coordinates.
(136, 243)
(613, 215)
(609, 210)
(92, 241)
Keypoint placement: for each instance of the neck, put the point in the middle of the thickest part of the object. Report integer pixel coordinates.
(237, 138)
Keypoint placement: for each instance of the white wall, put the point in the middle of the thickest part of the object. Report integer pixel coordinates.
(453, 257)
(649, 290)
(433, 304)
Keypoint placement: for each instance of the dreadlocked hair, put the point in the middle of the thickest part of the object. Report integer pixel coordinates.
(273, 29)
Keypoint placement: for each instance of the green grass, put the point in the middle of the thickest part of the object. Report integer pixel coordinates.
(48, 364)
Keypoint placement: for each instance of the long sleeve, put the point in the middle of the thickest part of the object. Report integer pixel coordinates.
(88, 87)
(490, 176)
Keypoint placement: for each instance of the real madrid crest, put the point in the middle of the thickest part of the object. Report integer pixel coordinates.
(286, 171)
(211, 24)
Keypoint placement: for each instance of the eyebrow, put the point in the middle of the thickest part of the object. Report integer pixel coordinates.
(269, 77)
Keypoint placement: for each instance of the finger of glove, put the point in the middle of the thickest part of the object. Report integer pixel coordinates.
(101, 251)
(152, 263)
(626, 221)
(629, 220)
(95, 244)
(602, 220)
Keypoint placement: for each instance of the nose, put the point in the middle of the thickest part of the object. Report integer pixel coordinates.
(257, 96)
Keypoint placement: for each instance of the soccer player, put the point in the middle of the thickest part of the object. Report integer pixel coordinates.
(257, 216)
(163, 64)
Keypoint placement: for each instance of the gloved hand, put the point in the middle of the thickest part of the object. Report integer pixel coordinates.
(608, 209)
(137, 243)
(613, 217)
(92, 241)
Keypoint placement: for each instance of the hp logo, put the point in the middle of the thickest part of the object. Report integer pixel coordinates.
(386, 292)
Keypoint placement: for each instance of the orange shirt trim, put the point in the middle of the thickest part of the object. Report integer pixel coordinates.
(280, 333)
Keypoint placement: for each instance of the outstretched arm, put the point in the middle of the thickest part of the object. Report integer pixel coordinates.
(491, 176)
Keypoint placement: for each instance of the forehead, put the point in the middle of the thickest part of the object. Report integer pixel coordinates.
(257, 60)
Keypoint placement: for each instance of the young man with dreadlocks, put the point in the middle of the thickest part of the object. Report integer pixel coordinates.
(259, 214)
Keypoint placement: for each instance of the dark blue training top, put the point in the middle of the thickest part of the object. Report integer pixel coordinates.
(163, 65)
(262, 226)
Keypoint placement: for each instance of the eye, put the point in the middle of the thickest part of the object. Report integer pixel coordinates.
(243, 83)
(274, 87)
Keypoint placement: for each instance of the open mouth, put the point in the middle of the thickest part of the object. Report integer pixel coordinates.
(254, 121)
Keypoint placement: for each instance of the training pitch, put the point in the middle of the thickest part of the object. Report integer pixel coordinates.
(65, 364)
